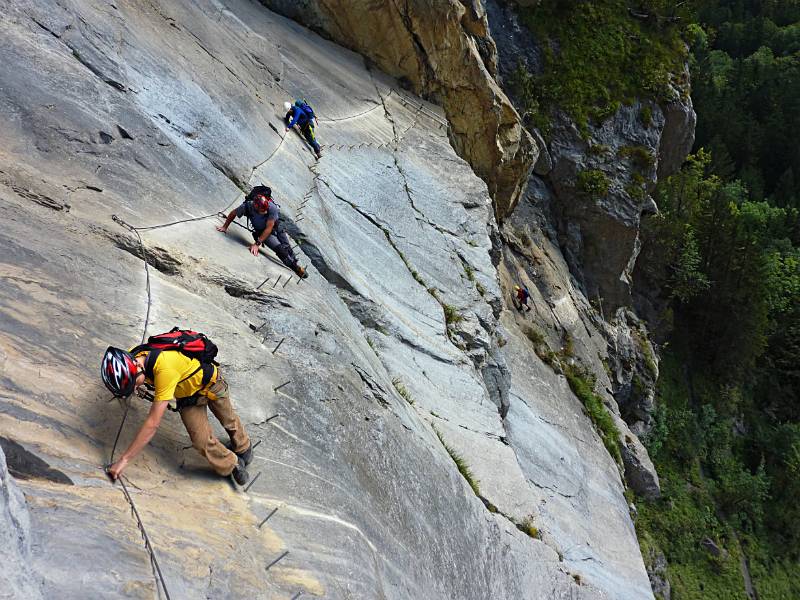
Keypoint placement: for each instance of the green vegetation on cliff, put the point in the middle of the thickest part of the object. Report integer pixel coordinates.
(582, 385)
(684, 522)
(714, 509)
(597, 56)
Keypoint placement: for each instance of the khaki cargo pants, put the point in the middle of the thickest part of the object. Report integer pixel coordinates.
(195, 419)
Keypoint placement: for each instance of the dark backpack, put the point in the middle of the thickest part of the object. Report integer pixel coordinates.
(303, 105)
(189, 343)
(259, 190)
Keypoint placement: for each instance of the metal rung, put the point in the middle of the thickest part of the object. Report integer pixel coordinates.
(268, 517)
(274, 562)
(249, 485)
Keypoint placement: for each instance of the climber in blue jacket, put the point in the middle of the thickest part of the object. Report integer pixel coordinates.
(302, 115)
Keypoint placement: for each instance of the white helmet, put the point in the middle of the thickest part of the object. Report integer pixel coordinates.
(287, 105)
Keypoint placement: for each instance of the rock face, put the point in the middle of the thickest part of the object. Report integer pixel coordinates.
(600, 202)
(563, 321)
(16, 576)
(601, 177)
(444, 51)
(633, 366)
(396, 355)
(677, 135)
(583, 206)
(657, 570)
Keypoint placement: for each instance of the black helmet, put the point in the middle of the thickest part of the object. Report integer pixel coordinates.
(118, 370)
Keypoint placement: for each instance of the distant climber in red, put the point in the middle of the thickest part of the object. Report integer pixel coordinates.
(522, 295)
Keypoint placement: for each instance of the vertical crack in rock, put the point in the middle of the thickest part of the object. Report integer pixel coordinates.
(373, 389)
(395, 150)
(497, 380)
(493, 370)
(376, 222)
(419, 47)
(226, 170)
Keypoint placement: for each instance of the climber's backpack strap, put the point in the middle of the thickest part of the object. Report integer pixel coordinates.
(189, 343)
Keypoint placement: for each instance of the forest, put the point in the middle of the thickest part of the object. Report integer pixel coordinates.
(726, 250)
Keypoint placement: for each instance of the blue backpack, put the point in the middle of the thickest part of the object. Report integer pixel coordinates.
(303, 105)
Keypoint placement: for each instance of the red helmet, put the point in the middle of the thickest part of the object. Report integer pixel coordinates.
(261, 202)
(119, 370)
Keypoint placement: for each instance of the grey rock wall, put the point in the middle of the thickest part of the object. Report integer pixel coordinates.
(17, 577)
(156, 113)
(596, 235)
(599, 230)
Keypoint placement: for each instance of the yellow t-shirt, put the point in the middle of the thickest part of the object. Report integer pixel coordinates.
(170, 368)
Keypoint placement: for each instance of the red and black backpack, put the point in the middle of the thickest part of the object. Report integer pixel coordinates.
(189, 343)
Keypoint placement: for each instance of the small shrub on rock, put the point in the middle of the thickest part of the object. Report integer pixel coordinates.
(592, 183)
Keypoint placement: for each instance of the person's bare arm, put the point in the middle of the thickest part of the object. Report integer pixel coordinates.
(264, 235)
(228, 221)
(143, 437)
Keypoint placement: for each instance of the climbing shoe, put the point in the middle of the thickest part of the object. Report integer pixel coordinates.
(300, 272)
(239, 473)
(247, 454)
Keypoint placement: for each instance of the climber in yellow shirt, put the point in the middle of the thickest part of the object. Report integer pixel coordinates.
(194, 386)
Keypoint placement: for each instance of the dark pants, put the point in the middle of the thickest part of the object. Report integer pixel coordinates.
(308, 133)
(280, 244)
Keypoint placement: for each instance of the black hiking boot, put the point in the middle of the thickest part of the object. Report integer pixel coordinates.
(239, 473)
(246, 455)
